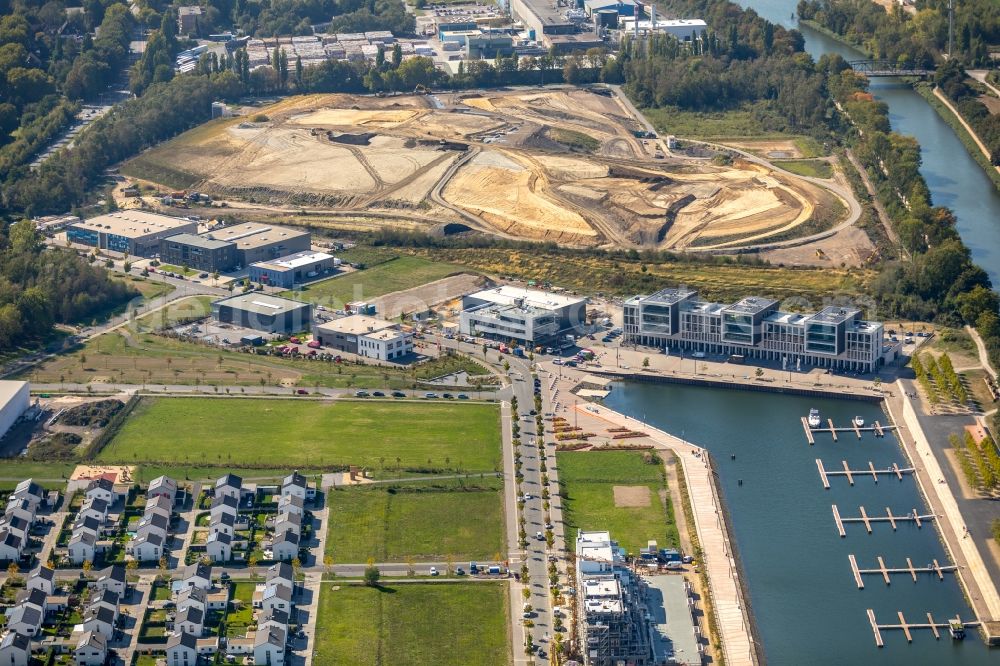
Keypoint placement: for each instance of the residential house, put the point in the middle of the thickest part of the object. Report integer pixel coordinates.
(224, 523)
(92, 650)
(101, 489)
(99, 619)
(162, 486)
(294, 485)
(288, 522)
(276, 596)
(229, 485)
(198, 575)
(191, 597)
(31, 598)
(113, 579)
(281, 573)
(15, 649)
(291, 504)
(285, 546)
(224, 504)
(20, 508)
(146, 547)
(191, 620)
(104, 599)
(269, 647)
(15, 525)
(87, 524)
(30, 492)
(82, 547)
(272, 617)
(95, 508)
(42, 578)
(11, 546)
(219, 547)
(23, 619)
(160, 506)
(155, 523)
(182, 650)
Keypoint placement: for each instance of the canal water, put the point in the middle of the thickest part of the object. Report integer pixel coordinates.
(955, 179)
(804, 597)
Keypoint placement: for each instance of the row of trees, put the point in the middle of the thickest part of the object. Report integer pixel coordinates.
(952, 80)
(979, 461)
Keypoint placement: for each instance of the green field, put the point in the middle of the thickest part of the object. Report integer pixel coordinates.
(432, 623)
(385, 278)
(574, 140)
(461, 518)
(308, 433)
(811, 168)
(588, 480)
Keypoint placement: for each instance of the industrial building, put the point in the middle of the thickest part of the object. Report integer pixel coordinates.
(136, 232)
(199, 253)
(835, 337)
(261, 242)
(263, 312)
(525, 315)
(613, 623)
(555, 24)
(685, 30)
(366, 336)
(293, 269)
(14, 399)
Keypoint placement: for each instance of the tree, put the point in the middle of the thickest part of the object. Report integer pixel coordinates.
(328, 563)
(758, 373)
(12, 570)
(252, 563)
(645, 362)
(372, 575)
(87, 566)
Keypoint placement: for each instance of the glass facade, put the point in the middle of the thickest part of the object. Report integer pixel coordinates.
(657, 319)
(821, 338)
(737, 328)
(118, 243)
(82, 236)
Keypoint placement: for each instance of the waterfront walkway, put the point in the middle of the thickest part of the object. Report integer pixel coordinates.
(732, 614)
(979, 585)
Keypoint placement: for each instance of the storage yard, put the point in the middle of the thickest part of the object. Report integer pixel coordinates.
(560, 165)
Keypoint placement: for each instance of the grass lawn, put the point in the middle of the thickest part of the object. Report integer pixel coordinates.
(813, 168)
(310, 434)
(423, 521)
(588, 480)
(435, 623)
(575, 140)
(395, 275)
(42, 472)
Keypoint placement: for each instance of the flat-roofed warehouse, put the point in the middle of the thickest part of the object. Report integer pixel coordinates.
(261, 242)
(199, 253)
(134, 231)
(263, 312)
(293, 269)
(14, 399)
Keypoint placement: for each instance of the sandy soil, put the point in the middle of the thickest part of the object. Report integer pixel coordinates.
(522, 183)
(631, 496)
(776, 148)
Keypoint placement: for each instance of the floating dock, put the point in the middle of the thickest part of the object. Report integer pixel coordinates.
(934, 568)
(825, 474)
(876, 428)
(908, 627)
(890, 518)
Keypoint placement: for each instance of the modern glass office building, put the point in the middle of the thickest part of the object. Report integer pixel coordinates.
(835, 337)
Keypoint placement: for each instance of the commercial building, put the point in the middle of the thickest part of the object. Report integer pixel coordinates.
(263, 312)
(293, 269)
(621, 7)
(835, 337)
(685, 30)
(555, 23)
(199, 253)
(366, 336)
(261, 242)
(524, 315)
(613, 615)
(14, 399)
(133, 231)
(187, 19)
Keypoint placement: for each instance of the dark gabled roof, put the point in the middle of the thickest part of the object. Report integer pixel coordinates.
(191, 614)
(294, 479)
(273, 613)
(102, 483)
(281, 570)
(229, 480)
(115, 572)
(225, 500)
(99, 613)
(43, 572)
(182, 639)
(10, 539)
(289, 536)
(198, 569)
(34, 596)
(16, 640)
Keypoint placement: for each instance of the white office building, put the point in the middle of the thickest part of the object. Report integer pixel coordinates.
(527, 316)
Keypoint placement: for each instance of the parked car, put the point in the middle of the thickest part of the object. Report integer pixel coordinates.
(449, 396)
(378, 394)
(462, 396)
(430, 396)
(302, 392)
(202, 275)
(398, 394)
(434, 571)
(361, 394)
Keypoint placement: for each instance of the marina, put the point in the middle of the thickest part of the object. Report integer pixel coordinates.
(956, 628)
(877, 428)
(824, 473)
(933, 568)
(787, 522)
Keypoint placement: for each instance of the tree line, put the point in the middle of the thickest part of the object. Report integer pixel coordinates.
(953, 82)
(40, 288)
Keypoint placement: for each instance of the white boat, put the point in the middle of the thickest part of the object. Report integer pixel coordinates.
(814, 418)
(858, 421)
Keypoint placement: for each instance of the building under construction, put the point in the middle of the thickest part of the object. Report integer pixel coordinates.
(612, 615)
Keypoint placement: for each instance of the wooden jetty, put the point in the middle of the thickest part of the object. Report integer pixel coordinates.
(882, 570)
(912, 516)
(851, 473)
(876, 428)
(908, 627)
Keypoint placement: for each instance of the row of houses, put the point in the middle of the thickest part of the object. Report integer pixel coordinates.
(287, 523)
(93, 524)
(18, 518)
(42, 597)
(150, 541)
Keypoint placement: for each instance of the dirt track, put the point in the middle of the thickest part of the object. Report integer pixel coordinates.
(396, 157)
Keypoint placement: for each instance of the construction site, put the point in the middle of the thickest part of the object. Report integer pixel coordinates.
(572, 166)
